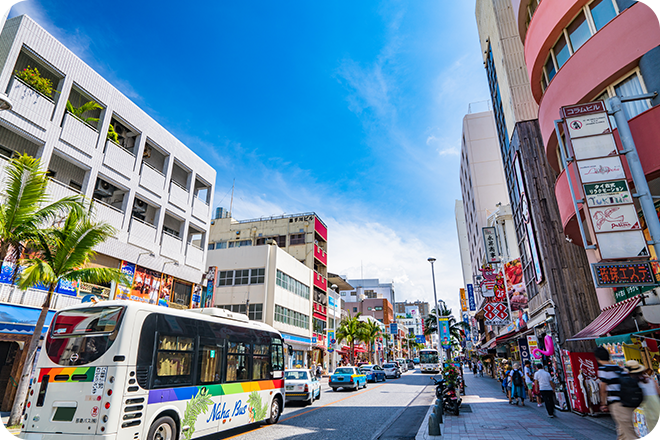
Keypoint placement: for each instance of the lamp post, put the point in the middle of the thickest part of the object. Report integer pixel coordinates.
(437, 311)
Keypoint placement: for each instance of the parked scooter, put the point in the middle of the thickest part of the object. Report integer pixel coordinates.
(451, 401)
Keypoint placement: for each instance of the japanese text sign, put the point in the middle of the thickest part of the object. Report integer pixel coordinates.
(470, 294)
(490, 244)
(623, 274)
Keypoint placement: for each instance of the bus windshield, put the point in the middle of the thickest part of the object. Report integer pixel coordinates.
(81, 336)
(429, 357)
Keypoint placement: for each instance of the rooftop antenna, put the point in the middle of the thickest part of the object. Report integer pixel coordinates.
(231, 203)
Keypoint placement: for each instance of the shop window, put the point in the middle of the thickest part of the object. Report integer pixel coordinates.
(181, 294)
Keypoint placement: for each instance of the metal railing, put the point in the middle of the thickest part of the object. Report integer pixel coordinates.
(11, 294)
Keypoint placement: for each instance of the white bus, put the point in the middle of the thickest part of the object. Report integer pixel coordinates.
(129, 371)
(429, 361)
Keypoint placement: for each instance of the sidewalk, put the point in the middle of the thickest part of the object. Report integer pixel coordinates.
(492, 417)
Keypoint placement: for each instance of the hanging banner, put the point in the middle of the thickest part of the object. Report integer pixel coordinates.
(464, 305)
(445, 336)
(124, 291)
(524, 351)
(209, 299)
(470, 294)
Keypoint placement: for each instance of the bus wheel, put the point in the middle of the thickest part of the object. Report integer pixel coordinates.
(275, 411)
(163, 429)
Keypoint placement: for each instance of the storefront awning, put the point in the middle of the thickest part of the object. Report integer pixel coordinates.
(21, 319)
(624, 339)
(608, 319)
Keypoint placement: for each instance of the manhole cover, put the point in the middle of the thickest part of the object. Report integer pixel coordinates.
(494, 427)
(466, 408)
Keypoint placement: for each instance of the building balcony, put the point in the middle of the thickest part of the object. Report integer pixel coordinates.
(142, 234)
(195, 256)
(320, 254)
(152, 179)
(178, 195)
(29, 103)
(118, 158)
(80, 135)
(58, 190)
(171, 246)
(109, 214)
(200, 209)
(320, 281)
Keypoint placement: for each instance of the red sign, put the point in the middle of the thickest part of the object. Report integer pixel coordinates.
(583, 109)
(495, 312)
(623, 274)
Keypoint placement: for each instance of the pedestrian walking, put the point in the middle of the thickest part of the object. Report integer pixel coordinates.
(545, 385)
(529, 379)
(474, 369)
(506, 381)
(610, 395)
(651, 403)
(319, 372)
(480, 366)
(517, 384)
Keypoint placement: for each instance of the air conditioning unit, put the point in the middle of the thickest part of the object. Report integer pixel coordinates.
(103, 189)
(139, 206)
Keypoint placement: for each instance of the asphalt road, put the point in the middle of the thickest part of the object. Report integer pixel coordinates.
(390, 410)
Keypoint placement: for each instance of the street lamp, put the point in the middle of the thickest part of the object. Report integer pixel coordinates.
(435, 296)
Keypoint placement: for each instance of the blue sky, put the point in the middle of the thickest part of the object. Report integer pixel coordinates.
(349, 109)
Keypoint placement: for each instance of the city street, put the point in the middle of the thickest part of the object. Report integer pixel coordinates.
(391, 410)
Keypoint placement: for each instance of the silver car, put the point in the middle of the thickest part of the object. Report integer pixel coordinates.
(392, 370)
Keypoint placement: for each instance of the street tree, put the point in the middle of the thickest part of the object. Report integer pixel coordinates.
(61, 253)
(26, 207)
(455, 327)
(371, 331)
(350, 329)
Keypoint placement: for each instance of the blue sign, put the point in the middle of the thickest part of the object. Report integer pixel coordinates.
(471, 301)
(421, 339)
(332, 302)
(314, 339)
(394, 329)
(466, 319)
(445, 336)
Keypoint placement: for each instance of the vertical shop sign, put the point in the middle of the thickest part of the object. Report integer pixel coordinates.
(470, 294)
(532, 343)
(524, 350)
(490, 244)
(445, 336)
(209, 300)
(464, 305)
(530, 244)
(196, 296)
(123, 291)
(165, 291)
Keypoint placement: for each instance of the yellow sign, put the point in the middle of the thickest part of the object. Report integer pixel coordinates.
(464, 304)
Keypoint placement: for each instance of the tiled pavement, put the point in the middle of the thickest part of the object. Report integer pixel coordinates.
(493, 418)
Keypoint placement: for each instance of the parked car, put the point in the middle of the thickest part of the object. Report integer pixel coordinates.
(416, 360)
(392, 370)
(402, 364)
(301, 385)
(347, 377)
(374, 373)
(411, 364)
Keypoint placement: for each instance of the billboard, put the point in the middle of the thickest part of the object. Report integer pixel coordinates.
(146, 285)
(123, 291)
(445, 336)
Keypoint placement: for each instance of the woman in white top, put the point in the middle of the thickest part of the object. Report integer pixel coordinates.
(650, 389)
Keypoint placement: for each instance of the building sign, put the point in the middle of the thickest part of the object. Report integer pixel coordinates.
(394, 329)
(604, 168)
(607, 193)
(208, 298)
(123, 291)
(614, 218)
(464, 305)
(496, 313)
(489, 279)
(490, 244)
(530, 245)
(583, 109)
(532, 343)
(624, 293)
(623, 274)
(470, 294)
(588, 125)
(524, 350)
(594, 146)
(621, 245)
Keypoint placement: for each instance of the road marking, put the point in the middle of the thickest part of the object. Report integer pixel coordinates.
(308, 411)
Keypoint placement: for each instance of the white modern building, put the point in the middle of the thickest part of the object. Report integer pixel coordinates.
(271, 286)
(144, 182)
(370, 288)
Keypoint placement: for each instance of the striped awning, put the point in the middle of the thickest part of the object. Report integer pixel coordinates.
(608, 319)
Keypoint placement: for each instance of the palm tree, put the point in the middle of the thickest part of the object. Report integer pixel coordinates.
(350, 330)
(86, 107)
(62, 255)
(25, 207)
(371, 331)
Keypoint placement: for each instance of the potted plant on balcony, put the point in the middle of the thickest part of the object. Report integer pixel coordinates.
(112, 134)
(78, 112)
(33, 79)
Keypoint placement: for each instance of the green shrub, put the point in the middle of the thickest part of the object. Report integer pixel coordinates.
(33, 78)
(86, 107)
(112, 134)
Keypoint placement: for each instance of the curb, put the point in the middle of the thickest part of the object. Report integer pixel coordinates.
(423, 431)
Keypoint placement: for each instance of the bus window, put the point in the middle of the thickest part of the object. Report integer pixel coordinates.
(210, 362)
(145, 354)
(237, 361)
(277, 356)
(173, 360)
(260, 362)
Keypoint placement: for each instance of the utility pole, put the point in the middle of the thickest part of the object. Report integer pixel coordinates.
(437, 309)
